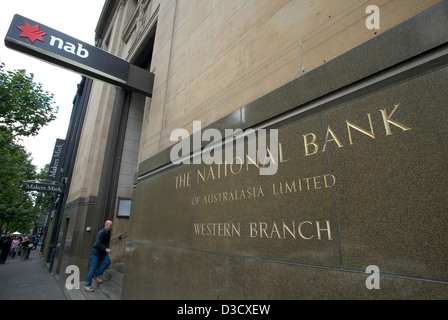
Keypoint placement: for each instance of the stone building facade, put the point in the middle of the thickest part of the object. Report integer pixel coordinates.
(236, 64)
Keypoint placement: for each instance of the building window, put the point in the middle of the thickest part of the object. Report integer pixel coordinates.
(124, 208)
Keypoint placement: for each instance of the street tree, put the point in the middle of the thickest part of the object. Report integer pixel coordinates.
(24, 109)
(24, 105)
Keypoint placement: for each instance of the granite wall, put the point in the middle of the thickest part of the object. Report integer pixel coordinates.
(361, 181)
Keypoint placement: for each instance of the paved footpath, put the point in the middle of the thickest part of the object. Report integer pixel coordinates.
(28, 280)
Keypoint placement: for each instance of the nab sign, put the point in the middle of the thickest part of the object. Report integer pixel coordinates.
(38, 40)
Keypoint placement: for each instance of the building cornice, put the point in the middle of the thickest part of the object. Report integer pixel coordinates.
(110, 6)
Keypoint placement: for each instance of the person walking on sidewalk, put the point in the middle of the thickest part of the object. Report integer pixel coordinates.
(99, 254)
(35, 242)
(14, 246)
(6, 249)
(25, 248)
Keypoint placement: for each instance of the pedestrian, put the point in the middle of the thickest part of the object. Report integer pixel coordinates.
(99, 255)
(25, 248)
(6, 248)
(14, 246)
(19, 248)
(35, 242)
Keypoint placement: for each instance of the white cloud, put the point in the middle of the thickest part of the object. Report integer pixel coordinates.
(75, 18)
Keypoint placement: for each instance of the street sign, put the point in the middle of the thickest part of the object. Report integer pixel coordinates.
(55, 170)
(43, 187)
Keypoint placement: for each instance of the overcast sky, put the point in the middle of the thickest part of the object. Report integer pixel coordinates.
(75, 18)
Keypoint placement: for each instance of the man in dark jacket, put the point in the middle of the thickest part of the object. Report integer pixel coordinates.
(99, 255)
(5, 248)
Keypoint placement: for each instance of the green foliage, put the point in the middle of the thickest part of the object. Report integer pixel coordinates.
(16, 205)
(24, 109)
(24, 106)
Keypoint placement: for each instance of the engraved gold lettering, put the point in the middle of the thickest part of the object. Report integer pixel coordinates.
(219, 170)
(292, 231)
(299, 229)
(270, 156)
(253, 230)
(316, 183)
(275, 230)
(209, 230)
(195, 201)
(327, 229)
(334, 138)
(387, 121)
(235, 230)
(240, 165)
(307, 182)
(200, 175)
(183, 180)
(217, 229)
(312, 142)
(310, 183)
(274, 191)
(280, 150)
(210, 173)
(249, 161)
(241, 194)
(291, 188)
(272, 231)
(263, 227)
(332, 180)
(371, 134)
(197, 228)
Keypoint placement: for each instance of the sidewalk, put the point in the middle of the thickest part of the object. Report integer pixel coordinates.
(28, 280)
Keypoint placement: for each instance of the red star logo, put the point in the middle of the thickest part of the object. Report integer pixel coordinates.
(31, 32)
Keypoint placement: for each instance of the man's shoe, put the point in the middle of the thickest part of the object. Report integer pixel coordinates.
(89, 289)
(99, 280)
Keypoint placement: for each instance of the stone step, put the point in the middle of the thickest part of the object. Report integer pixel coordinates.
(74, 294)
(114, 276)
(109, 289)
(119, 267)
(82, 294)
